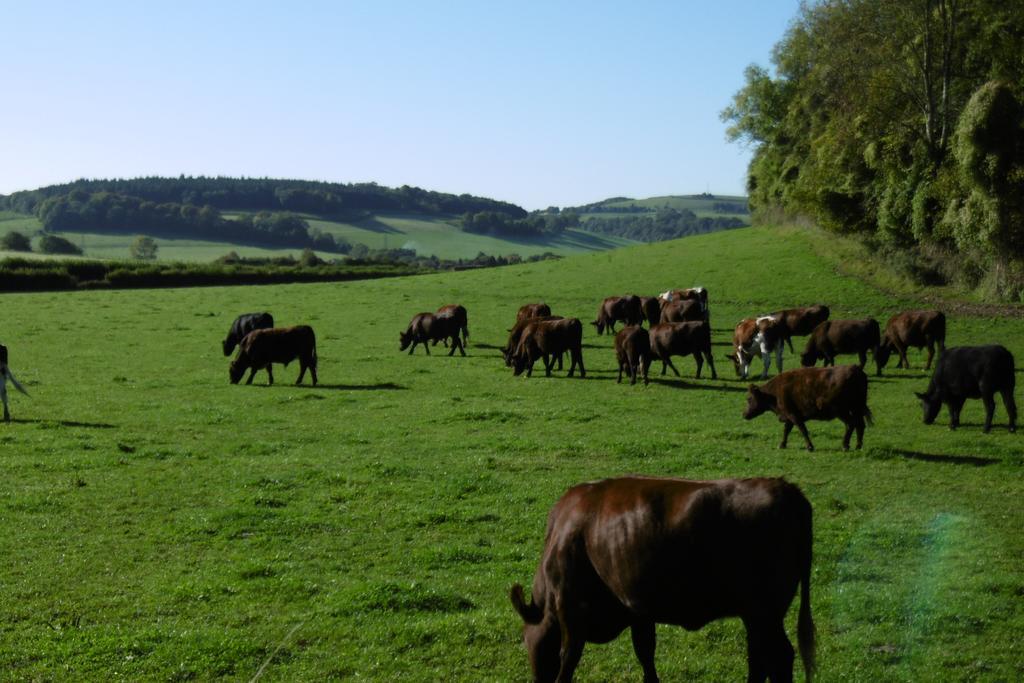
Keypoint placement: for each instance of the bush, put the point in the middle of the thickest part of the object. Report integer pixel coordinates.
(51, 244)
(16, 241)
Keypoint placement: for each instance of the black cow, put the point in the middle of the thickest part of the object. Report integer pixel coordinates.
(964, 372)
(243, 325)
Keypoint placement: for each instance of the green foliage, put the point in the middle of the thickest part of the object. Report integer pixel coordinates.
(162, 524)
(144, 248)
(16, 241)
(52, 244)
(854, 127)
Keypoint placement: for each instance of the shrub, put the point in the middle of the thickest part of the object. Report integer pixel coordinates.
(16, 241)
(51, 244)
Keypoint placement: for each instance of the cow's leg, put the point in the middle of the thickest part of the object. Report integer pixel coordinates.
(778, 653)
(778, 357)
(859, 426)
(757, 669)
(302, 371)
(270, 373)
(252, 373)
(1008, 403)
(578, 353)
(789, 340)
(668, 361)
(426, 347)
(3, 397)
(700, 363)
(711, 362)
(619, 380)
(787, 427)
(569, 655)
(955, 406)
(646, 366)
(989, 401)
(931, 354)
(862, 356)
(848, 421)
(644, 642)
(807, 437)
(559, 361)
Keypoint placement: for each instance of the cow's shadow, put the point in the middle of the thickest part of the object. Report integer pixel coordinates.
(65, 423)
(680, 383)
(974, 460)
(381, 386)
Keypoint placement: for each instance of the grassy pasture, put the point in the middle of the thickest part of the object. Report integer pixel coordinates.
(161, 524)
(701, 206)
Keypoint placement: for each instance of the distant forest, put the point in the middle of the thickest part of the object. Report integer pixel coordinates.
(901, 123)
(191, 207)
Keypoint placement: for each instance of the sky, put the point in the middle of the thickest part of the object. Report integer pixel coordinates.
(537, 103)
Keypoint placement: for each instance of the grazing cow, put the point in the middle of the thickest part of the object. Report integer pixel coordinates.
(681, 311)
(616, 308)
(633, 352)
(532, 311)
(243, 325)
(456, 312)
(427, 327)
(516, 333)
(260, 348)
(5, 375)
(833, 337)
(682, 339)
(964, 372)
(549, 338)
(650, 307)
(633, 552)
(912, 328)
(756, 336)
(800, 322)
(814, 394)
(698, 294)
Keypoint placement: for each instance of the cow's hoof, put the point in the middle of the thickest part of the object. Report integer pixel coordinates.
(782, 446)
(810, 449)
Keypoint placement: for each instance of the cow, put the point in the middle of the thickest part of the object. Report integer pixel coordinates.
(633, 352)
(698, 294)
(800, 322)
(682, 339)
(532, 311)
(912, 328)
(650, 307)
(243, 325)
(516, 333)
(814, 394)
(964, 372)
(456, 312)
(260, 348)
(427, 327)
(549, 338)
(5, 376)
(618, 308)
(833, 337)
(632, 552)
(681, 311)
(756, 336)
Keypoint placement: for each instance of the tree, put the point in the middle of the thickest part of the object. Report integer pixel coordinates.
(51, 244)
(144, 248)
(16, 241)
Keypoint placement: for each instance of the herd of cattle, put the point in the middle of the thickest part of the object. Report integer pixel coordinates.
(632, 552)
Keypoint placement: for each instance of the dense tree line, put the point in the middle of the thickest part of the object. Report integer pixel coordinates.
(537, 224)
(269, 194)
(111, 212)
(663, 224)
(902, 122)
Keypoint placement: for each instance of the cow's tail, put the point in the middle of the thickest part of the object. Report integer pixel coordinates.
(868, 417)
(9, 375)
(805, 636)
(530, 613)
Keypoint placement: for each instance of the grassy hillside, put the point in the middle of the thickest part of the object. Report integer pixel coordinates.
(428, 236)
(700, 205)
(161, 524)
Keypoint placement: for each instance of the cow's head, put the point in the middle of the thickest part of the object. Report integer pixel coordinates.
(599, 324)
(238, 368)
(757, 402)
(808, 358)
(405, 338)
(541, 636)
(736, 363)
(229, 345)
(930, 406)
(883, 352)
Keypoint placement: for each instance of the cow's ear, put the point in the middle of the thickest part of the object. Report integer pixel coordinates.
(920, 395)
(753, 389)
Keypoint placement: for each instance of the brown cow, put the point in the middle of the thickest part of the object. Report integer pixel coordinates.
(650, 307)
(516, 333)
(912, 328)
(458, 313)
(814, 394)
(681, 311)
(756, 336)
(616, 308)
(427, 327)
(633, 352)
(532, 311)
(682, 339)
(260, 348)
(834, 337)
(633, 552)
(549, 338)
(800, 322)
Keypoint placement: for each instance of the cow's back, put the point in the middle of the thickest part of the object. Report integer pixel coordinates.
(279, 344)
(963, 370)
(819, 392)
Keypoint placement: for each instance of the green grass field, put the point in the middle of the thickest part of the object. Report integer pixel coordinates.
(162, 524)
(702, 206)
(427, 236)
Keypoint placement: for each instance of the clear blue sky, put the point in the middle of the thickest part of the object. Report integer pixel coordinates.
(537, 103)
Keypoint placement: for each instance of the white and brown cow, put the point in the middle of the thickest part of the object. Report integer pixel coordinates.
(761, 336)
